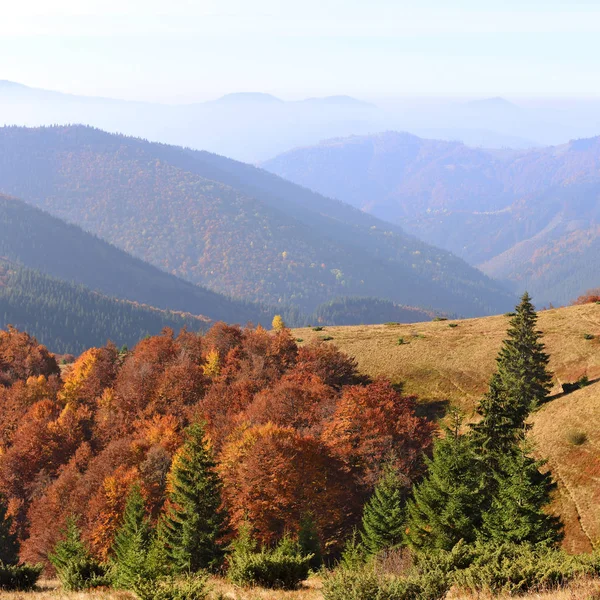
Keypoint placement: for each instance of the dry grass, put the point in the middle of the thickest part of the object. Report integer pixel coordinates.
(575, 466)
(50, 590)
(443, 363)
(583, 590)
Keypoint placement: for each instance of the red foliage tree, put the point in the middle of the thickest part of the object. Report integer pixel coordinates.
(273, 476)
(373, 425)
(21, 357)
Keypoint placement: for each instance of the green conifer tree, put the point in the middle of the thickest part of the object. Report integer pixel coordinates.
(384, 515)
(446, 505)
(193, 522)
(309, 542)
(516, 513)
(520, 383)
(9, 545)
(132, 543)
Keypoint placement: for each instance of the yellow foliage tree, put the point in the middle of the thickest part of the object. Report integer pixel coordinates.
(212, 366)
(278, 323)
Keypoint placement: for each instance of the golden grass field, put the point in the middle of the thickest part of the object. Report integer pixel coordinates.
(439, 362)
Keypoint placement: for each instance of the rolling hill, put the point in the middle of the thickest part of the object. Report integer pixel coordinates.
(529, 217)
(231, 227)
(32, 238)
(451, 362)
(69, 318)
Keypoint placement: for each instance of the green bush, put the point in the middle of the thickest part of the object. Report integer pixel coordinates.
(184, 587)
(589, 336)
(440, 318)
(519, 568)
(453, 325)
(402, 341)
(19, 577)
(325, 338)
(319, 328)
(283, 567)
(299, 340)
(576, 437)
(510, 314)
(583, 381)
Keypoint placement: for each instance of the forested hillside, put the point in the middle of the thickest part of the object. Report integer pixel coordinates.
(232, 227)
(69, 318)
(531, 217)
(34, 239)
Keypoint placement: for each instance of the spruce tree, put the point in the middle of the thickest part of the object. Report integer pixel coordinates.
(193, 521)
(309, 542)
(516, 513)
(446, 505)
(520, 384)
(132, 543)
(9, 546)
(384, 515)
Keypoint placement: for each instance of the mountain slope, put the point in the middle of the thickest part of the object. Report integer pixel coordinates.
(35, 239)
(69, 318)
(230, 226)
(529, 217)
(444, 365)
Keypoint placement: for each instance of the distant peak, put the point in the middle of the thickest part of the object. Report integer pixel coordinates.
(6, 84)
(339, 100)
(256, 97)
(496, 102)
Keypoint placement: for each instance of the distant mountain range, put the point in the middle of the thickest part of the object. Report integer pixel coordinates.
(253, 126)
(234, 228)
(531, 218)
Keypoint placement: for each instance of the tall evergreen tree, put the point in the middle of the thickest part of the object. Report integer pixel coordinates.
(132, 542)
(193, 521)
(384, 515)
(9, 545)
(516, 513)
(446, 505)
(520, 383)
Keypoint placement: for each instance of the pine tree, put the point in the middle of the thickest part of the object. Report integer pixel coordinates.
(193, 521)
(132, 543)
(514, 492)
(384, 515)
(517, 511)
(520, 383)
(446, 505)
(9, 545)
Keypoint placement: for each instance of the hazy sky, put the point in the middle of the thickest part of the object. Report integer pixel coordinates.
(185, 50)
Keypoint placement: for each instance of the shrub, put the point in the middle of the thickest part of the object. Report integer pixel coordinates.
(325, 338)
(510, 314)
(440, 318)
(452, 325)
(319, 328)
(589, 336)
(402, 342)
(299, 340)
(184, 587)
(519, 568)
(576, 437)
(19, 577)
(583, 381)
(283, 567)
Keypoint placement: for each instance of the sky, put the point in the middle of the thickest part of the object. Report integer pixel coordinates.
(192, 50)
